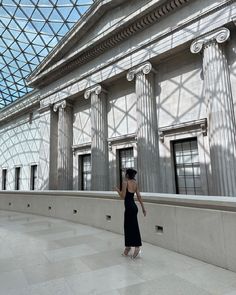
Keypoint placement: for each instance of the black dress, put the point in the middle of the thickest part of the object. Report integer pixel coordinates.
(131, 228)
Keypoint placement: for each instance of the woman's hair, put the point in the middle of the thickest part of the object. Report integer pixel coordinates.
(130, 173)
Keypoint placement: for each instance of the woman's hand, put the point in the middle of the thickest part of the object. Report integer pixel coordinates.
(144, 212)
(116, 189)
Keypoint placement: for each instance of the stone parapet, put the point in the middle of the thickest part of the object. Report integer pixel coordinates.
(172, 221)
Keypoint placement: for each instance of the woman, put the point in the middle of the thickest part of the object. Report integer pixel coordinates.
(131, 228)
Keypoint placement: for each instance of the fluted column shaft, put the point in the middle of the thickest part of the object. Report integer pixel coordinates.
(99, 147)
(221, 117)
(147, 135)
(47, 175)
(65, 141)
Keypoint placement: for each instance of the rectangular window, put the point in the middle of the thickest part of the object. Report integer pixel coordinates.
(4, 179)
(85, 164)
(17, 178)
(126, 160)
(187, 167)
(33, 177)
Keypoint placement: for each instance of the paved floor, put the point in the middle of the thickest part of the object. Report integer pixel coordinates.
(45, 256)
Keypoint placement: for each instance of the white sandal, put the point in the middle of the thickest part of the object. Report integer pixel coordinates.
(126, 251)
(136, 254)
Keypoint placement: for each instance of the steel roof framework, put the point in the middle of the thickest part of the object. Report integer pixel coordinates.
(29, 29)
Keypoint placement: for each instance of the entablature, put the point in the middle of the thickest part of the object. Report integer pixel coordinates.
(26, 104)
(165, 42)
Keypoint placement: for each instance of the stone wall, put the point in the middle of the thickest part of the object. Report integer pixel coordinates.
(19, 147)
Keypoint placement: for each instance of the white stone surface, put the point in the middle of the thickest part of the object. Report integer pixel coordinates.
(81, 122)
(200, 234)
(121, 109)
(230, 236)
(104, 271)
(179, 92)
(19, 147)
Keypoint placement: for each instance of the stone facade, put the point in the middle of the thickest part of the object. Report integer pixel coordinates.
(153, 90)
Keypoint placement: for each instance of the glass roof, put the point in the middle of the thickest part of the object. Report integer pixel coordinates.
(29, 29)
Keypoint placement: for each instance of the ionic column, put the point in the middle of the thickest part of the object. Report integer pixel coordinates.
(221, 117)
(99, 147)
(147, 135)
(65, 141)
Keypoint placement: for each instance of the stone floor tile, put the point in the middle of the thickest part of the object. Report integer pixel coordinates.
(211, 278)
(41, 255)
(103, 280)
(164, 285)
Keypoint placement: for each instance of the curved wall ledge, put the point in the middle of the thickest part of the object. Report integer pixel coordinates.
(202, 227)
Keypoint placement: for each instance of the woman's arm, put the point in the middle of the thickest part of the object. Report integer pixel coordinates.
(140, 201)
(123, 191)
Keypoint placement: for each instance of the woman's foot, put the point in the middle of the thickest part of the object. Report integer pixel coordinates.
(126, 251)
(136, 252)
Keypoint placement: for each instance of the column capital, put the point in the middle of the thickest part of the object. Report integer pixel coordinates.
(220, 35)
(97, 89)
(61, 104)
(144, 68)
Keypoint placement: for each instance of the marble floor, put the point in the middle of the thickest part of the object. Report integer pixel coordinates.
(45, 256)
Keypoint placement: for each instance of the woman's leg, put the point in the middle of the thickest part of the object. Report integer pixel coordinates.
(136, 252)
(126, 251)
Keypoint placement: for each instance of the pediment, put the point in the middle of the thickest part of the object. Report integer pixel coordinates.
(87, 31)
(107, 23)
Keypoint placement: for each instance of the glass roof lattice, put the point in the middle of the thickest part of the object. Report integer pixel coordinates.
(29, 29)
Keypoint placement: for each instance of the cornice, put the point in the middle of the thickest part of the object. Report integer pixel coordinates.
(44, 109)
(122, 139)
(196, 125)
(81, 147)
(125, 31)
(30, 101)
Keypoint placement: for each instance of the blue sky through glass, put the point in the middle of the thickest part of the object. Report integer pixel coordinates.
(29, 29)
